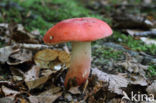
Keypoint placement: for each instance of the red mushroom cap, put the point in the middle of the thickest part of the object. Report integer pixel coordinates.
(77, 29)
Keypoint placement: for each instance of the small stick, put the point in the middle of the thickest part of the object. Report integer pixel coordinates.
(34, 46)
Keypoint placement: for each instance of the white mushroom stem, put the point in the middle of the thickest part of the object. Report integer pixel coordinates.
(80, 63)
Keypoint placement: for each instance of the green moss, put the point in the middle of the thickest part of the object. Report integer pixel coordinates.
(107, 53)
(152, 70)
(133, 44)
(38, 15)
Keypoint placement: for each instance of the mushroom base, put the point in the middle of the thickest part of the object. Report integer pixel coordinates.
(80, 64)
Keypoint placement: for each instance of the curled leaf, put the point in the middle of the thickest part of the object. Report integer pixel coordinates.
(5, 52)
(23, 55)
(53, 59)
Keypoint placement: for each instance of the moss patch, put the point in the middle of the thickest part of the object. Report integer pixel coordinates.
(152, 70)
(107, 53)
(131, 43)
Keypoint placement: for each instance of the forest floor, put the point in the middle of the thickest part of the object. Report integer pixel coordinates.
(123, 65)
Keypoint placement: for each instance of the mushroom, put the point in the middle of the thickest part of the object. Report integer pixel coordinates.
(80, 32)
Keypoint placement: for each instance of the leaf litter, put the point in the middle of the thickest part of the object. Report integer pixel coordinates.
(38, 71)
(45, 71)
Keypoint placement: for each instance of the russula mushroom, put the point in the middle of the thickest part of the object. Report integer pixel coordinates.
(80, 32)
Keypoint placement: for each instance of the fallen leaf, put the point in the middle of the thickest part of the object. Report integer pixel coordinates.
(47, 72)
(44, 57)
(19, 35)
(74, 90)
(37, 82)
(115, 81)
(5, 52)
(18, 75)
(53, 90)
(133, 66)
(152, 88)
(44, 99)
(19, 57)
(9, 92)
(138, 80)
(7, 100)
(48, 96)
(32, 74)
(32, 78)
(53, 59)
(64, 57)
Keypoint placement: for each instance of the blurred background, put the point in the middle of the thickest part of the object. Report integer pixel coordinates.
(42, 14)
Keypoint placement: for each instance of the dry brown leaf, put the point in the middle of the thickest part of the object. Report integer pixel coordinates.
(37, 82)
(32, 78)
(7, 100)
(19, 35)
(138, 80)
(74, 90)
(115, 81)
(51, 91)
(53, 59)
(18, 75)
(44, 99)
(48, 96)
(44, 57)
(133, 66)
(32, 74)
(64, 57)
(47, 72)
(19, 57)
(9, 92)
(5, 52)
(152, 88)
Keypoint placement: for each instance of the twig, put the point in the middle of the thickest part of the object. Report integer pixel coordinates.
(34, 46)
(146, 33)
